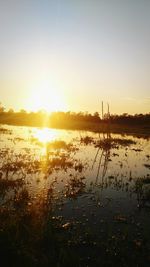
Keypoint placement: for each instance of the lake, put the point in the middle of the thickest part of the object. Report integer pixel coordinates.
(92, 188)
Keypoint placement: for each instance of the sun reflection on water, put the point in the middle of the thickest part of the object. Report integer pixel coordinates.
(46, 135)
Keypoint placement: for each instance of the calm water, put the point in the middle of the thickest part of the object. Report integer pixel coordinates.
(100, 185)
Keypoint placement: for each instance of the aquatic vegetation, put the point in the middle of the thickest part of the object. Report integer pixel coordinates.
(147, 166)
(36, 141)
(124, 142)
(75, 187)
(60, 162)
(137, 149)
(108, 143)
(87, 140)
(59, 145)
(6, 185)
(146, 180)
(81, 201)
(5, 131)
(79, 167)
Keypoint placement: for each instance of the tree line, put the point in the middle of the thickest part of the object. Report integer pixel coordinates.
(59, 117)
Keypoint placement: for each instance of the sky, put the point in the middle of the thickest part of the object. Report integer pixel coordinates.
(72, 54)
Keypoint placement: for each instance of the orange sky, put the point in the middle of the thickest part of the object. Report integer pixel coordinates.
(71, 55)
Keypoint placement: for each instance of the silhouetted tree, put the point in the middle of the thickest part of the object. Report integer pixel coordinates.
(2, 109)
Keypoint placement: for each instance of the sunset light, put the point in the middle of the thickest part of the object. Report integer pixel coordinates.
(45, 96)
(74, 133)
(46, 135)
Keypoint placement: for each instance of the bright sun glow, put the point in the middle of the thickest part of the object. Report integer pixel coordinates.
(46, 135)
(46, 97)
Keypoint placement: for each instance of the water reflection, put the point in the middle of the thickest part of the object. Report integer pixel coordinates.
(103, 151)
(60, 183)
(46, 135)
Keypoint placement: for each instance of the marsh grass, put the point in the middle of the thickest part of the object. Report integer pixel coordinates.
(33, 230)
(29, 234)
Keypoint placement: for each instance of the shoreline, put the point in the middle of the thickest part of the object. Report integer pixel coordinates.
(92, 127)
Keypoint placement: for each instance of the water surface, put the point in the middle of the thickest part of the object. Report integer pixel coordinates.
(99, 185)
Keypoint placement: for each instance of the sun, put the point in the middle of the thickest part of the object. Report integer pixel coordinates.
(46, 97)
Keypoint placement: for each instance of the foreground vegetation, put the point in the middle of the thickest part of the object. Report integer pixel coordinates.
(53, 214)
